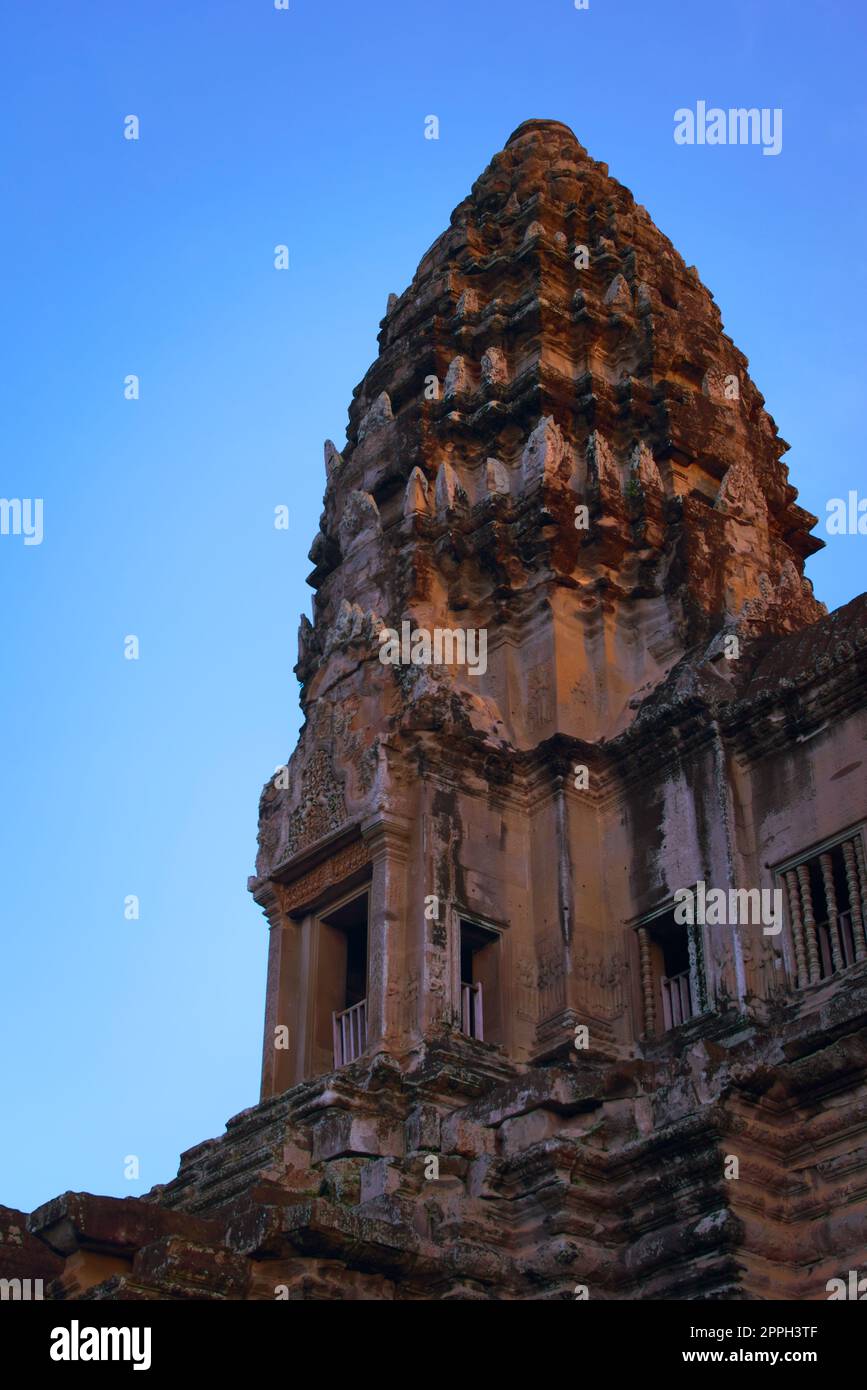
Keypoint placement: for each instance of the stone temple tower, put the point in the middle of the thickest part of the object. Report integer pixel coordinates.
(558, 459)
(565, 879)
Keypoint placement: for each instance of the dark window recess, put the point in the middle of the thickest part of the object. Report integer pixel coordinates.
(351, 921)
(480, 982)
(344, 946)
(675, 951)
(678, 987)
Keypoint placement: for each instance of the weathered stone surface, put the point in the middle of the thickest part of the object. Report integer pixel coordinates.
(599, 491)
(589, 1198)
(24, 1257)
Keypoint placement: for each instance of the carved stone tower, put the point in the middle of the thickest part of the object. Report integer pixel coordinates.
(566, 690)
(560, 465)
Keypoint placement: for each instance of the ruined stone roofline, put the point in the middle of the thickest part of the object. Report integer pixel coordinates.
(815, 676)
(756, 729)
(813, 650)
(673, 732)
(672, 721)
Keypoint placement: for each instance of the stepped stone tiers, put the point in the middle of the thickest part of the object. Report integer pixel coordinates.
(499, 1061)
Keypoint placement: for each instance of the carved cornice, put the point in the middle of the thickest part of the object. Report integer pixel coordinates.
(386, 833)
(267, 895)
(303, 892)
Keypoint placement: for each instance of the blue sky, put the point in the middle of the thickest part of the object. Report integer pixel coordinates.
(155, 257)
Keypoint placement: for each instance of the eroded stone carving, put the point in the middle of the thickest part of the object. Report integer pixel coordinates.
(545, 453)
(377, 416)
(322, 807)
(329, 874)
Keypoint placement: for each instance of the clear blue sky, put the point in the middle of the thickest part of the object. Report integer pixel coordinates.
(155, 257)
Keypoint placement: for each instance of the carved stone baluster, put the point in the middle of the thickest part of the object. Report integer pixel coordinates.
(862, 875)
(647, 981)
(854, 898)
(794, 893)
(831, 900)
(809, 923)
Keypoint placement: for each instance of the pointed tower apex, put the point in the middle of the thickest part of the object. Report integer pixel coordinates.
(543, 127)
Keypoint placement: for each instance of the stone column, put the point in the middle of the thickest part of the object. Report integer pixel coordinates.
(854, 898)
(809, 923)
(831, 900)
(794, 892)
(862, 876)
(279, 1064)
(387, 838)
(647, 994)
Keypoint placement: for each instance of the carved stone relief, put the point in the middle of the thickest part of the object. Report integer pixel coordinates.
(331, 872)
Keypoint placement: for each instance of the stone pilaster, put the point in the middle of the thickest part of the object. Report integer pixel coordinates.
(387, 837)
(278, 1063)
